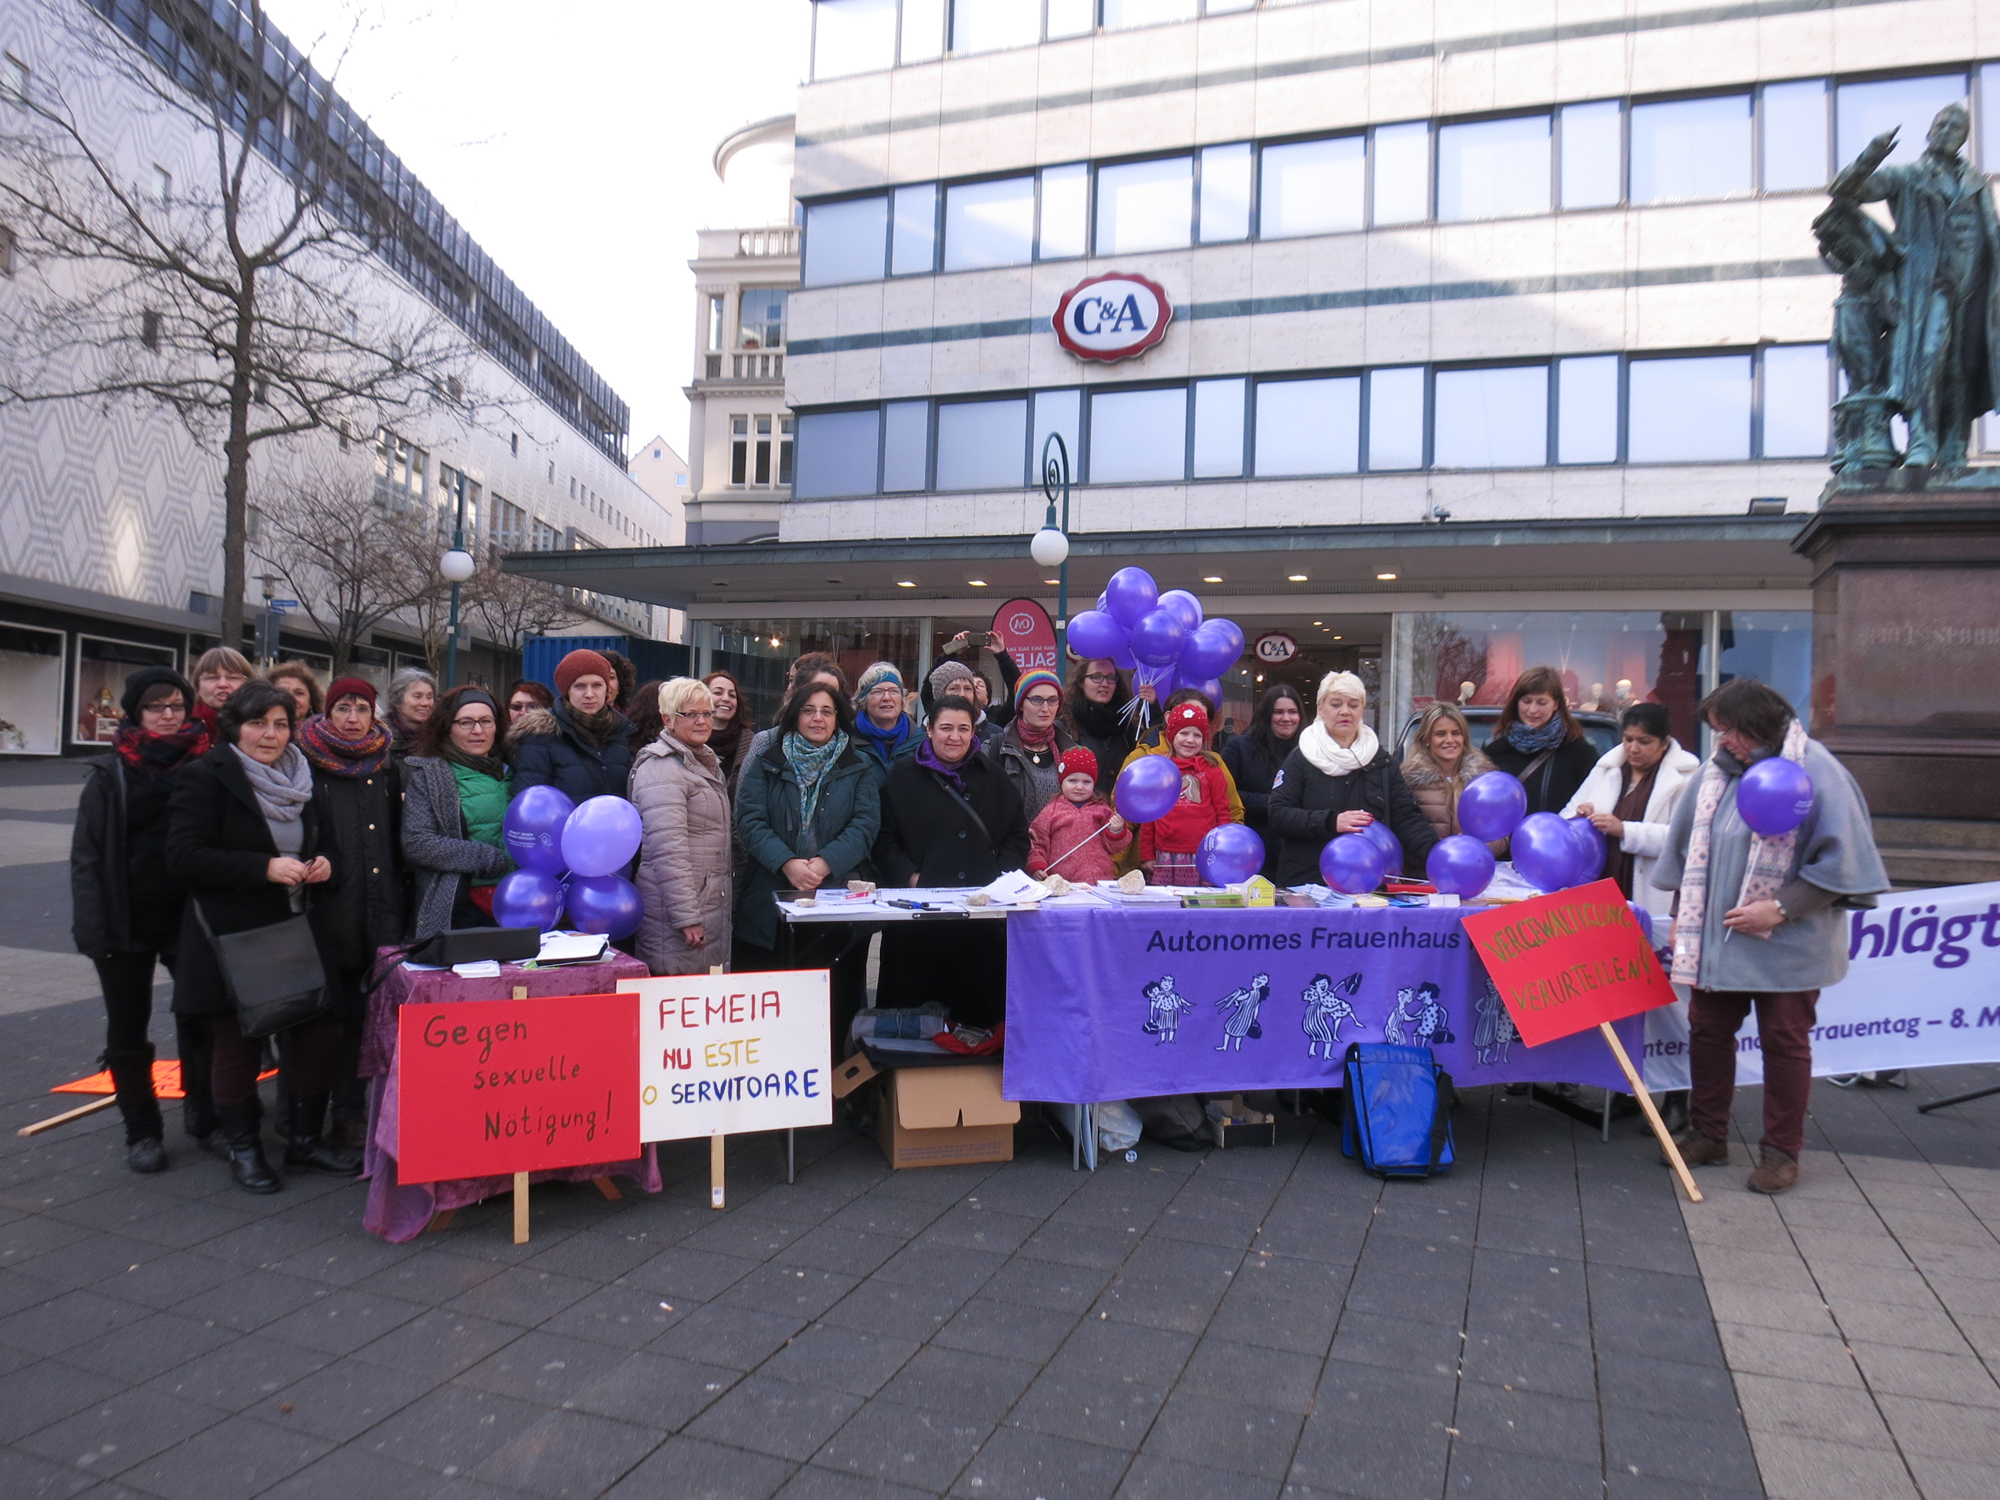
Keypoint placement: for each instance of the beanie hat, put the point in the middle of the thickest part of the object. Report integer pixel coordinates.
(583, 664)
(147, 677)
(875, 676)
(351, 687)
(1076, 762)
(1039, 677)
(948, 673)
(1181, 716)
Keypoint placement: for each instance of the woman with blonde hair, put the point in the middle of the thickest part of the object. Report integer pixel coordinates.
(1440, 763)
(1340, 779)
(682, 794)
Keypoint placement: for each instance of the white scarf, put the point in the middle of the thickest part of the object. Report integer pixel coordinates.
(1325, 754)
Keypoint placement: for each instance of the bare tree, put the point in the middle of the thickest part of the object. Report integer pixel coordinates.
(350, 560)
(245, 301)
(510, 607)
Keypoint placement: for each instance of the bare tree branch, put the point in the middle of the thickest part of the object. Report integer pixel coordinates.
(510, 607)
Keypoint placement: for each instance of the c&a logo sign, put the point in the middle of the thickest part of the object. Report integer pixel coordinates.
(1113, 316)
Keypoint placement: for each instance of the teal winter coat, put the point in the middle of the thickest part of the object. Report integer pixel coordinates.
(769, 830)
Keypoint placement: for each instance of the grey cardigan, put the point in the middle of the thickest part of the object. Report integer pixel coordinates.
(1834, 868)
(435, 847)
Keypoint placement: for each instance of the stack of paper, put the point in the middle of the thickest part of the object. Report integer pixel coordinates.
(572, 948)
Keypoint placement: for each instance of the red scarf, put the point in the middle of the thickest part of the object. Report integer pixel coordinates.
(161, 754)
(1033, 739)
(341, 757)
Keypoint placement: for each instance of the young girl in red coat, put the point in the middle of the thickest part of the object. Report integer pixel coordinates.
(1060, 839)
(1167, 847)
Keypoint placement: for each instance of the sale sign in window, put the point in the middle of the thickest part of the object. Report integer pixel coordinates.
(720, 1054)
(493, 1087)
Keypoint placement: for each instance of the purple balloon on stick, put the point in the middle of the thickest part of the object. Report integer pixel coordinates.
(528, 898)
(1229, 854)
(1543, 850)
(1147, 789)
(601, 836)
(1492, 805)
(1460, 865)
(1094, 635)
(532, 829)
(1351, 864)
(1774, 796)
(609, 904)
(1131, 596)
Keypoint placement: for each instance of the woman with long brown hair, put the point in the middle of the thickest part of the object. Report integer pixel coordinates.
(1539, 740)
(1440, 763)
(731, 734)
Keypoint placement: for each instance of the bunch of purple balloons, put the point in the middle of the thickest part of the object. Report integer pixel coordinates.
(1161, 639)
(570, 856)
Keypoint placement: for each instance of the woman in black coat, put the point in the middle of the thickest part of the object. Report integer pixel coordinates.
(126, 911)
(1339, 780)
(950, 818)
(243, 838)
(1538, 740)
(357, 793)
(1253, 759)
(582, 746)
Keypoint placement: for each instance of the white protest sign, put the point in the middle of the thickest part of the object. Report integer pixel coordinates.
(720, 1054)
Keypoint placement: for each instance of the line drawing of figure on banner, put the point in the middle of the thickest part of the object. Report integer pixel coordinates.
(1241, 1008)
(1328, 1006)
(1164, 1008)
(1392, 1029)
(1433, 1020)
(1493, 1033)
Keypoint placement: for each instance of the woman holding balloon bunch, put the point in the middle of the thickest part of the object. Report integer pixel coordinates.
(1771, 840)
(454, 808)
(1342, 780)
(682, 794)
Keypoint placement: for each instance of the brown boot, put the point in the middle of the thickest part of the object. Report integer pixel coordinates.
(1775, 1172)
(1697, 1150)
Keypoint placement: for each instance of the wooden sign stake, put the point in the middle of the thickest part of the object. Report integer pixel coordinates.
(520, 1208)
(1652, 1115)
(67, 1115)
(715, 1195)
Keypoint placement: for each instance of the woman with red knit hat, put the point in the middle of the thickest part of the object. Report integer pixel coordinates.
(582, 746)
(1168, 845)
(1032, 743)
(1078, 834)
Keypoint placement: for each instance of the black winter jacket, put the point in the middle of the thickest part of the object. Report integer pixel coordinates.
(545, 749)
(117, 824)
(931, 832)
(1306, 802)
(220, 847)
(1555, 781)
(360, 823)
(1253, 772)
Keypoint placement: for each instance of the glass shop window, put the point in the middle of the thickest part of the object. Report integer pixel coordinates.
(913, 239)
(989, 224)
(1312, 187)
(982, 445)
(1691, 149)
(1308, 426)
(1795, 136)
(1065, 230)
(1494, 169)
(845, 241)
(762, 318)
(1587, 409)
(853, 36)
(1593, 147)
(1492, 419)
(839, 453)
(1145, 205)
(1138, 435)
(1689, 409)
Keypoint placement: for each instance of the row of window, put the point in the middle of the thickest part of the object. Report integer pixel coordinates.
(864, 36)
(1781, 137)
(759, 455)
(402, 480)
(1582, 409)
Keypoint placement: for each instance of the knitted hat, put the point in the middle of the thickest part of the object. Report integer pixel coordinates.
(948, 673)
(1181, 716)
(1039, 677)
(875, 676)
(146, 677)
(351, 687)
(1076, 762)
(583, 664)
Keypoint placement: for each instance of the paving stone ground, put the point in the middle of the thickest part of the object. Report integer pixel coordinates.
(1547, 1320)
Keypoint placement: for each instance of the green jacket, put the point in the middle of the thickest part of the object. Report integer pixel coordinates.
(482, 802)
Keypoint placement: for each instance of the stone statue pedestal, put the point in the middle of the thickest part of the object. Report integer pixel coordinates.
(1906, 637)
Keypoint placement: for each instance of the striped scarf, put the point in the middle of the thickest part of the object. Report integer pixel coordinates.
(1764, 874)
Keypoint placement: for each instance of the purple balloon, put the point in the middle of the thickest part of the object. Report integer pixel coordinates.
(1379, 834)
(1774, 796)
(1229, 854)
(1351, 864)
(1122, 658)
(1233, 633)
(1492, 805)
(1543, 850)
(1183, 604)
(1094, 635)
(528, 898)
(1211, 689)
(1590, 852)
(1157, 639)
(608, 904)
(1131, 596)
(1460, 865)
(1147, 789)
(532, 829)
(1210, 650)
(601, 836)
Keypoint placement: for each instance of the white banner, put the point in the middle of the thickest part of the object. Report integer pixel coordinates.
(1922, 991)
(721, 1054)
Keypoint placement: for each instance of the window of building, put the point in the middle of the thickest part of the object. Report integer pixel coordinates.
(760, 450)
(989, 224)
(1587, 409)
(842, 452)
(1494, 169)
(400, 469)
(981, 445)
(1120, 14)
(1138, 435)
(163, 185)
(1492, 419)
(1989, 116)
(1311, 187)
(1864, 110)
(1145, 205)
(1071, 18)
(989, 25)
(1689, 149)
(1225, 193)
(1797, 398)
(906, 435)
(1403, 173)
(510, 527)
(1689, 409)
(761, 318)
(149, 329)
(1060, 413)
(923, 30)
(14, 78)
(7, 244)
(1593, 154)
(913, 235)
(1065, 226)
(846, 240)
(853, 36)
(1396, 418)
(1795, 136)
(1218, 428)
(1308, 426)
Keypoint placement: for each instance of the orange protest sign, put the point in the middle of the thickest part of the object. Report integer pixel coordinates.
(1569, 961)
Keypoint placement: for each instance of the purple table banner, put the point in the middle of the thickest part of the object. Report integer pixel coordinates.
(1124, 1003)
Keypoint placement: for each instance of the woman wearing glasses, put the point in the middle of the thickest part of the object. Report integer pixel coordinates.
(683, 801)
(1032, 743)
(1093, 715)
(452, 813)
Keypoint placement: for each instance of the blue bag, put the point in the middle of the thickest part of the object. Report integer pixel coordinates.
(1397, 1114)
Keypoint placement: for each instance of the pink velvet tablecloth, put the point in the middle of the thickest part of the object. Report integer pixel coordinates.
(399, 1211)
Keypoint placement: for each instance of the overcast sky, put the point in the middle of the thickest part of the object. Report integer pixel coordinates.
(574, 143)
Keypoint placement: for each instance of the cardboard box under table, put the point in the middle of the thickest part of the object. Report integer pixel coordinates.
(946, 1113)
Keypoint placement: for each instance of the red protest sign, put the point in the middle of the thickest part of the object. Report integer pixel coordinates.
(490, 1087)
(1569, 961)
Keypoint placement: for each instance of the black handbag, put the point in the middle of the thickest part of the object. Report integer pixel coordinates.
(470, 945)
(273, 974)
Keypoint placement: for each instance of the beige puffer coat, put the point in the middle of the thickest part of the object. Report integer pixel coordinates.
(1437, 793)
(684, 858)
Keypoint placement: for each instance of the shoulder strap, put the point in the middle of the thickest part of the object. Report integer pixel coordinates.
(965, 802)
(1440, 1117)
(1536, 764)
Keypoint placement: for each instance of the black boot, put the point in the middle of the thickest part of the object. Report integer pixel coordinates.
(241, 1136)
(198, 1116)
(132, 1078)
(306, 1148)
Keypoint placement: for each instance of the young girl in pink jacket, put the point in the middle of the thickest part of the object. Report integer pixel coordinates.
(1060, 839)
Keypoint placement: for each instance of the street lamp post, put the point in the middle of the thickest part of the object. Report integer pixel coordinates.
(1050, 546)
(456, 565)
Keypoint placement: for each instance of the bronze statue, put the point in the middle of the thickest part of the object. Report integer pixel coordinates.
(1917, 323)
